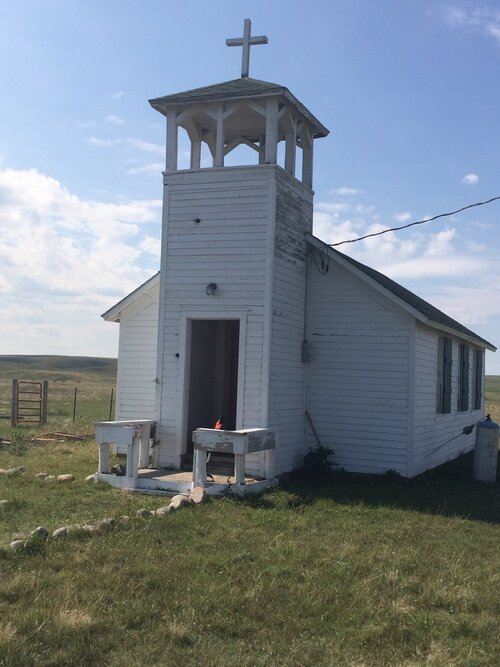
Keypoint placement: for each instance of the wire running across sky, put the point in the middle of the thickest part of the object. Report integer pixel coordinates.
(419, 222)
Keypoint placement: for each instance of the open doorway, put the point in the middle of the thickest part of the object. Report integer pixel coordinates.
(212, 393)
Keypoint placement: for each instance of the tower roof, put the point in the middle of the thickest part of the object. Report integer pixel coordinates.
(236, 89)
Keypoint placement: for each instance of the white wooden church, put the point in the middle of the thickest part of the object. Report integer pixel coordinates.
(255, 322)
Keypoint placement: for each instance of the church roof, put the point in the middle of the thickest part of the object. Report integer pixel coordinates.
(429, 312)
(243, 88)
(114, 313)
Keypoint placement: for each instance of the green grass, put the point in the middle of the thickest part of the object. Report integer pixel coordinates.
(350, 571)
(92, 377)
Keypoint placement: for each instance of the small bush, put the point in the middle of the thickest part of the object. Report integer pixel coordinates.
(18, 441)
(318, 462)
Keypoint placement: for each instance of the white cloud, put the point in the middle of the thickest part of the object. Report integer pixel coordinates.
(152, 246)
(470, 179)
(483, 20)
(146, 146)
(404, 216)
(64, 260)
(118, 94)
(114, 120)
(95, 141)
(417, 253)
(151, 168)
(140, 144)
(442, 266)
(345, 191)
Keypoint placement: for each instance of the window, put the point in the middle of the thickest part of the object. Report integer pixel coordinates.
(478, 379)
(444, 375)
(463, 379)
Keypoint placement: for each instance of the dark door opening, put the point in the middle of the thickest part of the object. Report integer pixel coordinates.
(213, 377)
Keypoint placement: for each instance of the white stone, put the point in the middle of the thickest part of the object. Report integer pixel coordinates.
(12, 472)
(91, 478)
(5, 503)
(88, 528)
(163, 511)
(143, 513)
(198, 495)
(179, 501)
(105, 524)
(42, 475)
(20, 536)
(17, 544)
(50, 478)
(61, 532)
(65, 478)
(40, 533)
(2, 471)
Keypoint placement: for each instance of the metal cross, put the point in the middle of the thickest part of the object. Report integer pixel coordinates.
(246, 42)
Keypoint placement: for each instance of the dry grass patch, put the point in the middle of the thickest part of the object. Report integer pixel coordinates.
(178, 632)
(8, 634)
(74, 618)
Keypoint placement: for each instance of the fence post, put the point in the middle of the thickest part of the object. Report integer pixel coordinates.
(111, 405)
(45, 400)
(74, 405)
(13, 408)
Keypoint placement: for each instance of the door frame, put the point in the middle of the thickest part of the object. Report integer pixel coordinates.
(184, 372)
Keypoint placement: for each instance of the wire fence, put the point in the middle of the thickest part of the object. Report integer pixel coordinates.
(88, 400)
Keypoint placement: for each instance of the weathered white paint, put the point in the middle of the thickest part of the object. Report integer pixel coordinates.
(432, 429)
(358, 393)
(250, 241)
(370, 386)
(229, 247)
(136, 385)
(246, 42)
(287, 299)
(239, 442)
(486, 452)
(135, 435)
(137, 315)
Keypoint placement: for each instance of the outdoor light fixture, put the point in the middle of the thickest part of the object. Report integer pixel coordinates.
(211, 289)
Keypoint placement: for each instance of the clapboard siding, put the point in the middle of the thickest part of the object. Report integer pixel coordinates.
(229, 246)
(432, 429)
(136, 385)
(358, 379)
(287, 370)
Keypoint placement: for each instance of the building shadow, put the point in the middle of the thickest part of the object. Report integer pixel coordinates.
(447, 491)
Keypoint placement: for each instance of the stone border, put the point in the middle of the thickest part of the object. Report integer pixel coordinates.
(41, 534)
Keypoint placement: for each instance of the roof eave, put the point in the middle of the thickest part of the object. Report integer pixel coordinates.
(479, 342)
(417, 314)
(162, 104)
(114, 313)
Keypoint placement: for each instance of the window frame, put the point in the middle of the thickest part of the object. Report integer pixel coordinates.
(478, 361)
(463, 378)
(444, 375)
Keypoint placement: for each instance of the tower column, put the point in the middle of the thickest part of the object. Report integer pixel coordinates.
(307, 157)
(219, 137)
(291, 145)
(271, 150)
(172, 134)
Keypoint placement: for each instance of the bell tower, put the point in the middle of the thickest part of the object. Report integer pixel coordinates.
(233, 265)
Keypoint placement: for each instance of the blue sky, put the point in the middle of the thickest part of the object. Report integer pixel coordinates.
(408, 89)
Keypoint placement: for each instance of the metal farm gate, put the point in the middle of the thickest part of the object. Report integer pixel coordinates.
(29, 402)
